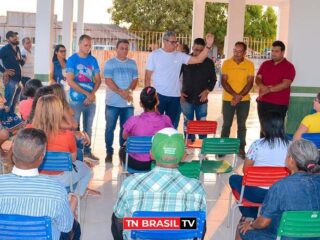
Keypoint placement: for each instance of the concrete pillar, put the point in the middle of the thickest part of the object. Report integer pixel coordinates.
(283, 22)
(303, 52)
(67, 25)
(199, 7)
(235, 27)
(43, 39)
(80, 25)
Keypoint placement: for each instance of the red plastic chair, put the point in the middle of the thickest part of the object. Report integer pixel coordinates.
(256, 177)
(201, 127)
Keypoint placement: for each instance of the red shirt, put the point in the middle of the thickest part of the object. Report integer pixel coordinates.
(274, 74)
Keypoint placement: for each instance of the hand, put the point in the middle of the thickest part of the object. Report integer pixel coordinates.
(245, 226)
(124, 94)
(183, 97)
(204, 95)
(209, 39)
(9, 73)
(236, 99)
(263, 90)
(90, 99)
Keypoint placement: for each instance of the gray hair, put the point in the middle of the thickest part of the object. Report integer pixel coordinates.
(25, 39)
(167, 34)
(305, 154)
(29, 145)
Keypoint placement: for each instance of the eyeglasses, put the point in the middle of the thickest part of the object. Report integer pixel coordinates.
(62, 51)
(172, 42)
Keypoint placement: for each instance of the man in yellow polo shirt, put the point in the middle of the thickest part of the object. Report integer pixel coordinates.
(237, 81)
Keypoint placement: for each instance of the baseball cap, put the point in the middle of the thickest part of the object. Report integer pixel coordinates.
(11, 34)
(168, 146)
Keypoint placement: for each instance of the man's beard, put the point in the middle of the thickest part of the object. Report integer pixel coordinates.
(16, 43)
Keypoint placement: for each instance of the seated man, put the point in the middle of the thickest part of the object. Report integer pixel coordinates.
(298, 192)
(25, 192)
(162, 189)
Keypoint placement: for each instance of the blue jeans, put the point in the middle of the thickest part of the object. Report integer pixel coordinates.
(189, 110)
(112, 114)
(253, 194)
(11, 93)
(88, 112)
(171, 107)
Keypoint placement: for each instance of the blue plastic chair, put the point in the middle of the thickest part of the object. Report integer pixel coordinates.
(313, 137)
(170, 234)
(19, 227)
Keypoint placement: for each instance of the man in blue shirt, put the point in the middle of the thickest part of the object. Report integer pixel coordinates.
(121, 76)
(11, 69)
(83, 77)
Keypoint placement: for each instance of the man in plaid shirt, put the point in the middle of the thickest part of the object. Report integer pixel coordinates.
(162, 189)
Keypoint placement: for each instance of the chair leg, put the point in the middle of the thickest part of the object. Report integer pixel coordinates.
(229, 210)
(233, 210)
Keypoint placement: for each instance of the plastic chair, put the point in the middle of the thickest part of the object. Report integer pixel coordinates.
(19, 227)
(299, 224)
(201, 127)
(256, 177)
(313, 137)
(60, 161)
(170, 234)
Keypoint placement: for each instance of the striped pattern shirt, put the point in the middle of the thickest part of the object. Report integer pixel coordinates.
(161, 189)
(36, 196)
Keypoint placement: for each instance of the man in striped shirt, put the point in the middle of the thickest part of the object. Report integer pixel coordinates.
(162, 189)
(25, 192)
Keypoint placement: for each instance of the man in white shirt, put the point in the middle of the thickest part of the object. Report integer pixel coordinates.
(28, 56)
(164, 66)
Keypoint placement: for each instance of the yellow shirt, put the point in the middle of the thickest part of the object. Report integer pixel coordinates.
(237, 76)
(312, 122)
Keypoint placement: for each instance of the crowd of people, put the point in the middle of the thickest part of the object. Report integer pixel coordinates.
(48, 119)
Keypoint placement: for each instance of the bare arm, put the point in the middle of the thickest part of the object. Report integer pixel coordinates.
(204, 54)
(133, 84)
(114, 87)
(51, 80)
(247, 163)
(74, 85)
(97, 83)
(226, 86)
(147, 79)
(247, 87)
(301, 130)
(286, 83)
(260, 223)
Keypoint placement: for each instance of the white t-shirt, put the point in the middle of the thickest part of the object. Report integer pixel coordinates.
(28, 67)
(263, 155)
(166, 67)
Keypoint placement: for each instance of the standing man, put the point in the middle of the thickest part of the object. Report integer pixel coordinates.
(237, 81)
(198, 81)
(121, 76)
(83, 77)
(11, 69)
(164, 66)
(274, 79)
(28, 57)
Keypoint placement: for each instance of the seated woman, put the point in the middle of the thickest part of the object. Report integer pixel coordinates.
(268, 151)
(29, 91)
(146, 124)
(311, 122)
(298, 192)
(48, 117)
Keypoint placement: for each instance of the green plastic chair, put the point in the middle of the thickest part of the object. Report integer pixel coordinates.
(299, 224)
(187, 169)
(221, 146)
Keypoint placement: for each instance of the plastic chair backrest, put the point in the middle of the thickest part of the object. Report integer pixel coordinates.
(220, 146)
(263, 176)
(170, 234)
(138, 144)
(299, 224)
(201, 127)
(57, 161)
(313, 137)
(21, 227)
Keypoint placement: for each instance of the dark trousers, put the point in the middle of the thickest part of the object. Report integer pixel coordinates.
(171, 107)
(242, 111)
(264, 107)
(12, 93)
(74, 234)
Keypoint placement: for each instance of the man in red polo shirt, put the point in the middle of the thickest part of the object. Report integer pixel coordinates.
(274, 79)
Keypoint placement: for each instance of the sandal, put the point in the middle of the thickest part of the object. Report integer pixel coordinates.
(91, 192)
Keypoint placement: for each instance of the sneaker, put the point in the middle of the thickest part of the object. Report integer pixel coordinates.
(108, 158)
(220, 155)
(242, 153)
(90, 157)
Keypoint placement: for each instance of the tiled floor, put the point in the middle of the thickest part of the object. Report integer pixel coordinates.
(96, 211)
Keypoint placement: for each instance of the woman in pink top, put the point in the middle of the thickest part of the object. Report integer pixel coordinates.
(30, 89)
(146, 124)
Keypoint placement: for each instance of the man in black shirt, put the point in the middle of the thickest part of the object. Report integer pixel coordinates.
(11, 69)
(197, 81)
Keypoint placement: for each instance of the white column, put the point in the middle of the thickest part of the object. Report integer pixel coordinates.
(67, 25)
(235, 27)
(43, 38)
(199, 7)
(283, 22)
(80, 25)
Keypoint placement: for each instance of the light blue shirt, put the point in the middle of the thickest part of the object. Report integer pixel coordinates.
(30, 194)
(122, 73)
